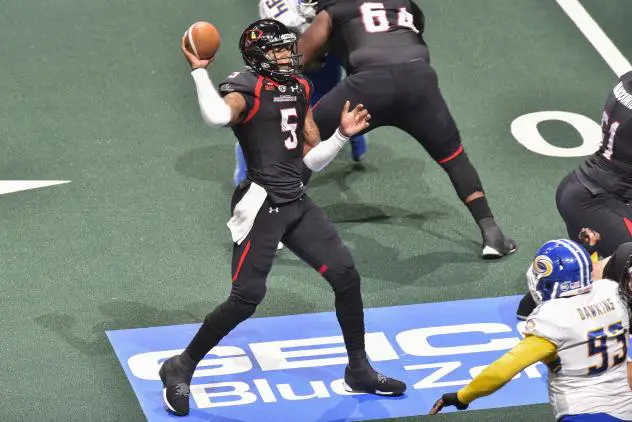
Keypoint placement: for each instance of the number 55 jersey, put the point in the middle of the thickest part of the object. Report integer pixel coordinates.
(591, 332)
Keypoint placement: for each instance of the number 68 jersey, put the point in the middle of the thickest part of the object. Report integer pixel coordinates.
(271, 133)
(591, 332)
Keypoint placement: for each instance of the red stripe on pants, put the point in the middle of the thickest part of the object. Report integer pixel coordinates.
(242, 258)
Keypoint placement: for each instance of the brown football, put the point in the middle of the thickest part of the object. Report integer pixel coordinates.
(202, 39)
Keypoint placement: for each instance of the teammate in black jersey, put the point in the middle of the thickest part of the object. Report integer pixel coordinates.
(268, 109)
(387, 61)
(599, 193)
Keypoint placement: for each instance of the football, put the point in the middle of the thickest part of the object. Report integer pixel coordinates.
(202, 39)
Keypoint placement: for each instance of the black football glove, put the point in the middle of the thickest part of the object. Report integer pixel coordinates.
(448, 399)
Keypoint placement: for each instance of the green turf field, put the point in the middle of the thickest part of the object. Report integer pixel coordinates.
(98, 93)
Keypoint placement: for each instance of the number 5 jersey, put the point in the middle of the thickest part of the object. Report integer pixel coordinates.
(271, 133)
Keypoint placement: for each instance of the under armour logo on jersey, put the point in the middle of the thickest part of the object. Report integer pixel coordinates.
(275, 209)
(295, 88)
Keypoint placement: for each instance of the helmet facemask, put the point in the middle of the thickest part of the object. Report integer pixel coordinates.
(625, 283)
(532, 281)
(307, 9)
(272, 53)
(282, 60)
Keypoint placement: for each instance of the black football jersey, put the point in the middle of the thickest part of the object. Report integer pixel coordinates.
(370, 33)
(271, 134)
(611, 165)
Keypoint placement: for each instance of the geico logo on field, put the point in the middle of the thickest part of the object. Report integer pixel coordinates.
(274, 355)
(326, 351)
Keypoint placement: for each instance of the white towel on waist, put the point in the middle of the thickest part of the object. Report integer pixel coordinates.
(245, 212)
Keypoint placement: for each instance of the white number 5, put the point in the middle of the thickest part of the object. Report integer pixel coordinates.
(292, 141)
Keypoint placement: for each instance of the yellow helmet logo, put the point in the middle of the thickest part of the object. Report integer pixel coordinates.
(543, 266)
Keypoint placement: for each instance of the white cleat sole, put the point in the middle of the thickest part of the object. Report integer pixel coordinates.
(164, 399)
(377, 392)
(489, 252)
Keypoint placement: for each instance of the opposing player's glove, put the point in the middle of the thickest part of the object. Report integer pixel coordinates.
(448, 399)
(589, 239)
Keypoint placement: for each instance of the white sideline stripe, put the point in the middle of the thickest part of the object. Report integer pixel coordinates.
(596, 36)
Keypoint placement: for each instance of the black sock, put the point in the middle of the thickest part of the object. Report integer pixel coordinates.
(224, 318)
(466, 182)
(358, 360)
(350, 314)
(481, 212)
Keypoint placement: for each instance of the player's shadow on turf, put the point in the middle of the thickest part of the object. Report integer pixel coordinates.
(214, 163)
(115, 315)
(353, 214)
(407, 270)
(341, 175)
(367, 213)
(372, 407)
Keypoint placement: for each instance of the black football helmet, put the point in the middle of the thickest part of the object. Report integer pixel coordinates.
(267, 35)
(625, 278)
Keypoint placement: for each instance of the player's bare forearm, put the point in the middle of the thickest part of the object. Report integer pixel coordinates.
(598, 267)
(314, 40)
(237, 105)
(310, 132)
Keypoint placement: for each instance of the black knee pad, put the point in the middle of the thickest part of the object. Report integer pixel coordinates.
(345, 281)
(228, 315)
(249, 291)
(463, 176)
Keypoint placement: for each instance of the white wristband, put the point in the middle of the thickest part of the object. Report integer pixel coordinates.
(322, 154)
(215, 111)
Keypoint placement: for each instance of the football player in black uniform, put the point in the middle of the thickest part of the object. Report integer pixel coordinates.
(268, 109)
(388, 69)
(598, 194)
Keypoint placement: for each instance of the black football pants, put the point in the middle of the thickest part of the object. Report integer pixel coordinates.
(609, 215)
(304, 229)
(406, 96)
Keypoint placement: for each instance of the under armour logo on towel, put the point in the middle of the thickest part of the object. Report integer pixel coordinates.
(273, 209)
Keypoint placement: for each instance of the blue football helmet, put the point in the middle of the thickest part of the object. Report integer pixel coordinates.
(561, 268)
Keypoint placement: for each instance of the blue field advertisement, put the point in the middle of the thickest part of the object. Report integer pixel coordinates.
(290, 368)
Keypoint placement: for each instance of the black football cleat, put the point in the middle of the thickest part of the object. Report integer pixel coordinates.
(367, 380)
(526, 306)
(496, 244)
(176, 373)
